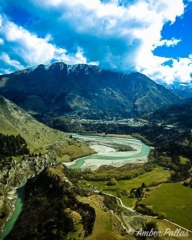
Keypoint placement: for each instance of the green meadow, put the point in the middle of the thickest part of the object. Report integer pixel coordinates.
(174, 200)
(157, 175)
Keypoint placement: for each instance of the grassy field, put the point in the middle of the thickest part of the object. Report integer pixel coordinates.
(157, 175)
(175, 201)
(110, 235)
(77, 221)
(73, 151)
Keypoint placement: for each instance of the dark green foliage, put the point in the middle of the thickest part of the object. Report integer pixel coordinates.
(152, 224)
(112, 182)
(64, 124)
(138, 192)
(116, 174)
(12, 145)
(161, 215)
(132, 195)
(143, 185)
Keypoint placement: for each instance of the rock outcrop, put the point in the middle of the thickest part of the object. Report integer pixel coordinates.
(13, 174)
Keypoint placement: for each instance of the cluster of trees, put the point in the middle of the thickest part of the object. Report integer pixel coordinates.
(111, 203)
(48, 208)
(111, 175)
(12, 146)
(64, 124)
(170, 153)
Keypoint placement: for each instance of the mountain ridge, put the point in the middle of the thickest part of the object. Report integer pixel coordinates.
(183, 89)
(83, 90)
(178, 114)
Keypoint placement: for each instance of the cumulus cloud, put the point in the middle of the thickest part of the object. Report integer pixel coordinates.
(12, 63)
(169, 43)
(179, 70)
(119, 35)
(21, 48)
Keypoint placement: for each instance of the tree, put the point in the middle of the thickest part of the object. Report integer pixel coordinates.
(143, 185)
(132, 195)
(112, 182)
(151, 225)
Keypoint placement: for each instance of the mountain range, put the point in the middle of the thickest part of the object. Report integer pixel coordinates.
(83, 90)
(183, 89)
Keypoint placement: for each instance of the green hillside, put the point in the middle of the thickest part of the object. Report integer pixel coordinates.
(14, 120)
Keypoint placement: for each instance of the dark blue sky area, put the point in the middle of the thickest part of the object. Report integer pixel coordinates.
(181, 29)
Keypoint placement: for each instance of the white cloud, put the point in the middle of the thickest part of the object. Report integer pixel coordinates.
(30, 49)
(119, 35)
(13, 63)
(169, 43)
(180, 69)
(136, 29)
(152, 65)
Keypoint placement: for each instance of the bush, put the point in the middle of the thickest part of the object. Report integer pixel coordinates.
(152, 224)
(132, 195)
(162, 215)
(111, 182)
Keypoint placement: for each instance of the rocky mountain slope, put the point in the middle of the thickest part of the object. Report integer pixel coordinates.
(13, 173)
(83, 90)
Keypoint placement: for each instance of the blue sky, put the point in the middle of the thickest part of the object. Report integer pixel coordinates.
(153, 37)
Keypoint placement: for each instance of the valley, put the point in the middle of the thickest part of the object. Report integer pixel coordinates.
(98, 162)
(129, 178)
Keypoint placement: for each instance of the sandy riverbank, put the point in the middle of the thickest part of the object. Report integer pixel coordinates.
(106, 154)
(94, 164)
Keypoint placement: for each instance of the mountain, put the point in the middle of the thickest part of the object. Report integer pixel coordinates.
(83, 90)
(179, 114)
(182, 89)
